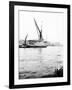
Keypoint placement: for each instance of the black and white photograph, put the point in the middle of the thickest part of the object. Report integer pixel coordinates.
(40, 43)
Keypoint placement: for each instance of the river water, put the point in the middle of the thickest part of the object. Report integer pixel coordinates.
(38, 62)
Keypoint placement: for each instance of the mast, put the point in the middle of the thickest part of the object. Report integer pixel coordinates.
(39, 31)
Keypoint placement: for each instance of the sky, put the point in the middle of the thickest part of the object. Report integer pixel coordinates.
(53, 25)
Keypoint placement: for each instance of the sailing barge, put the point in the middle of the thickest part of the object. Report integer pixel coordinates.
(40, 43)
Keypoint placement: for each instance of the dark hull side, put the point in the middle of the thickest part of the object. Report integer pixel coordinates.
(32, 46)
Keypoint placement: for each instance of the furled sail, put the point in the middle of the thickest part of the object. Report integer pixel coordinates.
(26, 39)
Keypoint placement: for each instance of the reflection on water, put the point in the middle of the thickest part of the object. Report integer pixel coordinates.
(39, 62)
